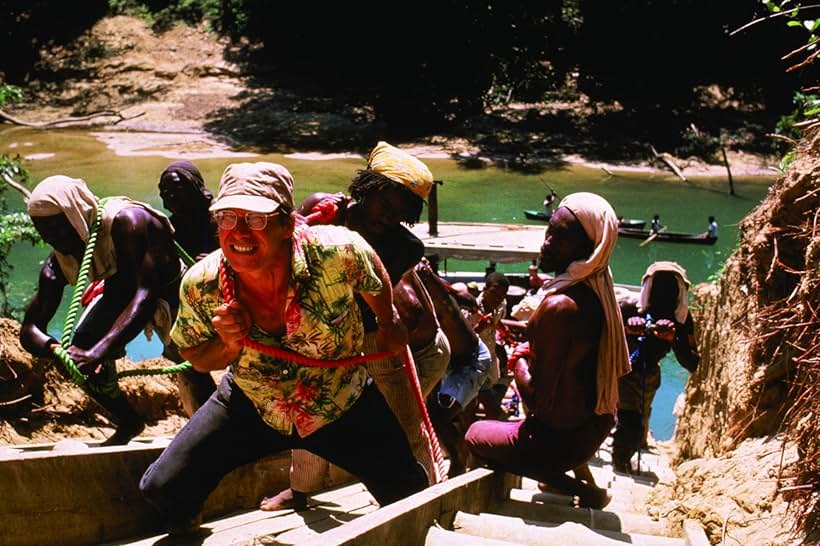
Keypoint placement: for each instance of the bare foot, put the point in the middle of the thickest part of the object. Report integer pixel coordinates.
(547, 488)
(285, 499)
(593, 497)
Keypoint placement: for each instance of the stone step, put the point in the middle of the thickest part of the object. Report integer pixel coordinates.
(620, 491)
(436, 536)
(622, 503)
(625, 522)
(530, 532)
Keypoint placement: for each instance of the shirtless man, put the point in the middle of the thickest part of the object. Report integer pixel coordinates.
(577, 352)
(134, 255)
(183, 193)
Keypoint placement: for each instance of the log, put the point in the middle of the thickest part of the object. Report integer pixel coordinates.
(666, 158)
(78, 120)
(728, 171)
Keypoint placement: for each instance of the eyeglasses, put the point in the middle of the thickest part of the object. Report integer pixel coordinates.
(227, 219)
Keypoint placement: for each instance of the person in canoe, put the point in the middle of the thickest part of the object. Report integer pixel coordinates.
(655, 226)
(712, 228)
(548, 201)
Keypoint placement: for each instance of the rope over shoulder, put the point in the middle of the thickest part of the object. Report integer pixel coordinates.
(76, 304)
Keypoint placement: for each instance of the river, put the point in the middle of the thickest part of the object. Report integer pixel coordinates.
(479, 192)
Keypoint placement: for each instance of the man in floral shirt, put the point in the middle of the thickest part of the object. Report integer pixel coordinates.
(272, 286)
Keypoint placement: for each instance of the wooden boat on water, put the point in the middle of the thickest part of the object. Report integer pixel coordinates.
(542, 216)
(668, 236)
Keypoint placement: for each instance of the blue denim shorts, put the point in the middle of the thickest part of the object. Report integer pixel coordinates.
(462, 380)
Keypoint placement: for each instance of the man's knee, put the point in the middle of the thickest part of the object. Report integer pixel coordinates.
(151, 489)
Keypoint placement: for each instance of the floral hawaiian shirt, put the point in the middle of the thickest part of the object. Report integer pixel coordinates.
(329, 265)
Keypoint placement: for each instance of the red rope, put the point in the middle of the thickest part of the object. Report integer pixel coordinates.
(435, 448)
(229, 295)
(323, 212)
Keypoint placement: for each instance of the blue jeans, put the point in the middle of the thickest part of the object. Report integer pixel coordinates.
(227, 432)
(463, 380)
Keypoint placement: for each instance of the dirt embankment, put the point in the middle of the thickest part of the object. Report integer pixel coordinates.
(39, 404)
(749, 429)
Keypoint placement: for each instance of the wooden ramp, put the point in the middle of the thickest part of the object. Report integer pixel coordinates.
(481, 507)
(501, 243)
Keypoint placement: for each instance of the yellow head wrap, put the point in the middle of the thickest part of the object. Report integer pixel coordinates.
(401, 167)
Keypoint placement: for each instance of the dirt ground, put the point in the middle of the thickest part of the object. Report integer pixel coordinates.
(39, 404)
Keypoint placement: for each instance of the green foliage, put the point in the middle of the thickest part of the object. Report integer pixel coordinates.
(699, 144)
(806, 106)
(10, 93)
(15, 227)
(806, 113)
(220, 15)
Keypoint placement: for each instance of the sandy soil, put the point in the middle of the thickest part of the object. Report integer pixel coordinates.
(39, 404)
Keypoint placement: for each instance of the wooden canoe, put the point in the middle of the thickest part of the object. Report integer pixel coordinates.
(542, 216)
(668, 236)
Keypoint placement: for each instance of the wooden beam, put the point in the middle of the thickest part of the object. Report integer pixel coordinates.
(407, 521)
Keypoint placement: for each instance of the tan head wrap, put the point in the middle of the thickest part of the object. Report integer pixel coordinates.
(601, 225)
(682, 309)
(401, 167)
(64, 195)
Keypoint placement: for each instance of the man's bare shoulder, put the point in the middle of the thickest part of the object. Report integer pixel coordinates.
(576, 301)
(558, 304)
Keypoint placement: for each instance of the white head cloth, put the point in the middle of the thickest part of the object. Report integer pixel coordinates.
(600, 223)
(682, 308)
(71, 197)
(64, 195)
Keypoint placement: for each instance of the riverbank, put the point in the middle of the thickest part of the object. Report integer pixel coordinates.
(179, 94)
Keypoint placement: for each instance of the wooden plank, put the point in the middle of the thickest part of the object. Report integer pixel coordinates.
(92, 496)
(529, 532)
(406, 522)
(328, 509)
(693, 533)
(502, 243)
(437, 536)
(332, 520)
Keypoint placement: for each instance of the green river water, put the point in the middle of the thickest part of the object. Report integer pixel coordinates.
(483, 194)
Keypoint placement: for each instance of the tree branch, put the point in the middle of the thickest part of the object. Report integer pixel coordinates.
(68, 121)
(17, 186)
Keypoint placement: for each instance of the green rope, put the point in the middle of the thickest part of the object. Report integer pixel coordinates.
(186, 258)
(76, 303)
(176, 368)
